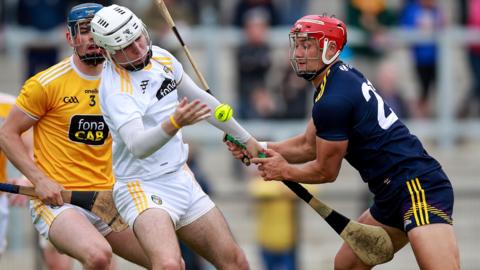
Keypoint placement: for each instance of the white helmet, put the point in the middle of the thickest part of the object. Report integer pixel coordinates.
(115, 27)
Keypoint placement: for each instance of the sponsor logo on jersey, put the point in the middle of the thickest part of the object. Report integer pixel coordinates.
(166, 88)
(71, 99)
(91, 91)
(88, 129)
(157, 200)
(143, 85)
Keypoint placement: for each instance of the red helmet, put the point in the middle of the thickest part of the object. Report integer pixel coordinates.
(320, 27)
(322, 30)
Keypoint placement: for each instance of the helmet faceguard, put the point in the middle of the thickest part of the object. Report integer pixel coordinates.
(115, 28)
(317, 31)
(78, 23)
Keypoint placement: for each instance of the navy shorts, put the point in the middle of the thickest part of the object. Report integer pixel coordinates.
(423, 200)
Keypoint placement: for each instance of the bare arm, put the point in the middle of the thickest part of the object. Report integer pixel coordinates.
(298, 149)
(19, 154)
(323, 169)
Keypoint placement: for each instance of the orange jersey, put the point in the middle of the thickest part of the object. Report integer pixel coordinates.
(71, 140)
(6, 104)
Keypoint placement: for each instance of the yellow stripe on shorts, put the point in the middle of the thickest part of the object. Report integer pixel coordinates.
(43, 211)
(139, 197)
(414, 207)
(423, 201)
(420, 203)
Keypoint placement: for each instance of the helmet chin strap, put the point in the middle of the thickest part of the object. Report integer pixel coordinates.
(326, 61)
(310, 76)
(324, 53)
(92, 59)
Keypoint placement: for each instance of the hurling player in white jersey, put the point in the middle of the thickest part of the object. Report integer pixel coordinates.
(146, 98)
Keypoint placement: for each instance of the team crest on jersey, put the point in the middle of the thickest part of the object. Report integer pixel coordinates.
(157, 200)
(166, 88)
(88, 129)
(70, 99)
(143, 85)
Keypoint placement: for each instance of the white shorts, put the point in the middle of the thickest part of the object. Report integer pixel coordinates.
(44, 215)
(3, 221)
(178, 193)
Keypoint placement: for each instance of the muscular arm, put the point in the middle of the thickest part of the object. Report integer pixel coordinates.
(298, 149)
(14, 146)
(324, 168)
(20, 155)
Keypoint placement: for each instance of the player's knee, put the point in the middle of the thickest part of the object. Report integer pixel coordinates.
(98, 258)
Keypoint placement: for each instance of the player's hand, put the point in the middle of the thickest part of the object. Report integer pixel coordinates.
(189, 113)
(49, 192)
(253, 148)
(18, 200)
(272, 166)
(238, 152)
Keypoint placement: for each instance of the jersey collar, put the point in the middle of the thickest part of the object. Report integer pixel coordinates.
(81, 74)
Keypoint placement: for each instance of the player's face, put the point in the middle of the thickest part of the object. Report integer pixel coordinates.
(83, 40)
(134, 54)
(305, 55)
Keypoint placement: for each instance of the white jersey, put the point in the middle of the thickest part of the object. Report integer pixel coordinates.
(149, 94)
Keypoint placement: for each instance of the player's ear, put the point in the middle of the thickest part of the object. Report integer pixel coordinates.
(68, 37)
(332, 47)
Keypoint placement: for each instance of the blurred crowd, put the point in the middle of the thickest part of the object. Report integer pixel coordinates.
(266, 89)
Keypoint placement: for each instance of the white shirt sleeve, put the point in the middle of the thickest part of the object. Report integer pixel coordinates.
(188, 88)
(142, 143)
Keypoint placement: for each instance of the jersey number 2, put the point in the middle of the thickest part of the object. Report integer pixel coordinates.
(383, 121)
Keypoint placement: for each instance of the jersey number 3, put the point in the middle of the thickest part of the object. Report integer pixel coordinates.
(383, 121)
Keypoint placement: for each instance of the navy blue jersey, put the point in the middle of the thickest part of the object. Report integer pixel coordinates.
(380, 146)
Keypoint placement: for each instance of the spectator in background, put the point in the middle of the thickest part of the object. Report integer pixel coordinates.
(387, 86)
(276, 214)
(253, 61)
(290, 10)
(244, 7)
(262, 104)
(296, 94)
(276, 211)
(428, 17)
(471, 19)
(42, 16)
(371, 18)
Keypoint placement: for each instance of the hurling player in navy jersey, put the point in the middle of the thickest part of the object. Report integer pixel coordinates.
(413, 196)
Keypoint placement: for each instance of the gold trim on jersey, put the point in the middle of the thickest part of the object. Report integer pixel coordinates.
(322, 86)
(148, 67)
(164, 60)
(125, 83)
(419, 202)
(138, 195)
(55, 72)
(43, 211)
